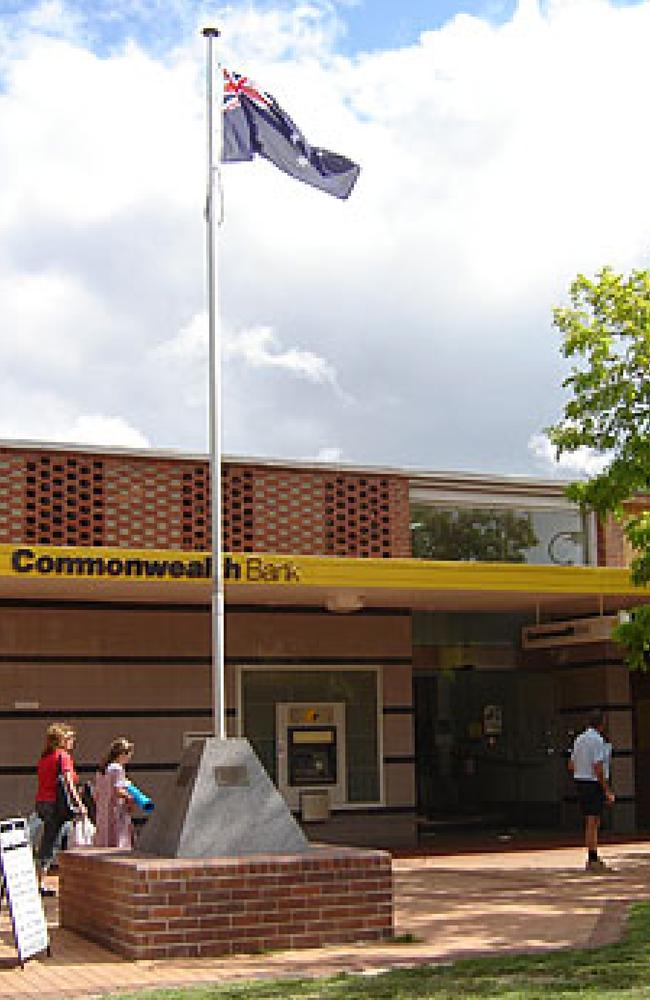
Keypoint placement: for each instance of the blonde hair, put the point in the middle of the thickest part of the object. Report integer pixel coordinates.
(55, 736)
(118, 747)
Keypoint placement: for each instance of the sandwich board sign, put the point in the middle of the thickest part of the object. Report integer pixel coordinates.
(20, 887)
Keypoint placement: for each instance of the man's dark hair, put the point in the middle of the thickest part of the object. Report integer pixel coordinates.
(596, 718)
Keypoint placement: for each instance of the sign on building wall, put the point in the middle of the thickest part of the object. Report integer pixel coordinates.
(147, 565)
(492, 720)
(349, 577)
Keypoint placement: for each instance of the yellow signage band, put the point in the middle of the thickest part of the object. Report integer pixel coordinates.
(160, 566)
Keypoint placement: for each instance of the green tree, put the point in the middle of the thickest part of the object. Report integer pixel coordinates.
(606, 336)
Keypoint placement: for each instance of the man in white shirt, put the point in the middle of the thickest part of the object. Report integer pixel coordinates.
(587, 764)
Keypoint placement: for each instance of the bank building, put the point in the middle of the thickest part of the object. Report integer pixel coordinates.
(408, 652)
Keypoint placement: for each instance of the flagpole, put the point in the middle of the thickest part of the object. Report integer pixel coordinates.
(214, 362)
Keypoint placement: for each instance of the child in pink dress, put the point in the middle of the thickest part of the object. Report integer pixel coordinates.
(112, 800)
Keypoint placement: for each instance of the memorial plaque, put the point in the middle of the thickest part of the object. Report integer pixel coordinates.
(234, 776)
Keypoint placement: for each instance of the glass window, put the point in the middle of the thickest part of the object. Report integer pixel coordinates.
(499, 534)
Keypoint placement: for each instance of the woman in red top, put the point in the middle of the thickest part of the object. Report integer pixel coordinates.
(59, 741)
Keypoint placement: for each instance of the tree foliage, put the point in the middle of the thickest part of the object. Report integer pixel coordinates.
(606, 336)
(634, 635)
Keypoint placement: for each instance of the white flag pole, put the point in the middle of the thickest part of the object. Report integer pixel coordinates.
(213, 220)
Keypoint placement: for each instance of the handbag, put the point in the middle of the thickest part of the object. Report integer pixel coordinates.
(82, 833)
(65, 806)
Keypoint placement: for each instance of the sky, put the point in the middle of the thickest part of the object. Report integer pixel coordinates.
(503, 148)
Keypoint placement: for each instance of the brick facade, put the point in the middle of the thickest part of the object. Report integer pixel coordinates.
(313, 512)
(146, 908)
(85, 497)
(613, 547)
(78, 498)
(611, 544)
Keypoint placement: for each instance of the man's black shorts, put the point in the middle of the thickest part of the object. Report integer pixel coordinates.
(591, 797)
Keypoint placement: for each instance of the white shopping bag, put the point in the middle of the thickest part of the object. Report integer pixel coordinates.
(82, 833)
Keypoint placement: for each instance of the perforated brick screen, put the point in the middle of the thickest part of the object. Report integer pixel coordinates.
(131, 501)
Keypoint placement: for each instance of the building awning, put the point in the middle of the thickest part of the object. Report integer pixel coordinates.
(337, 583)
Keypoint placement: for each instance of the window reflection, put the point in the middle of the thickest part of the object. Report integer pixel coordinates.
(493, 534)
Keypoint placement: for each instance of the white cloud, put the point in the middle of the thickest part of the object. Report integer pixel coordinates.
(51, 16)
(44, 311)
(260, 347)
(580, 463)
(97, 429)
(189, 345)
(513, 159)
(40, 415)
(329, 454)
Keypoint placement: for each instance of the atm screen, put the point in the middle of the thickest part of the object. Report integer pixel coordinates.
(312, 755)
(313, 736)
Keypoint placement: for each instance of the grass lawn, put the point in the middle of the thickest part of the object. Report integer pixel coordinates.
(616, 972)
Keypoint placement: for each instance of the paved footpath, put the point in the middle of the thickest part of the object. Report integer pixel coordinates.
(455, 906)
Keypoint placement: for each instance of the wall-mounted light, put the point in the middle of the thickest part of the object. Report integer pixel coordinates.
(344, 604)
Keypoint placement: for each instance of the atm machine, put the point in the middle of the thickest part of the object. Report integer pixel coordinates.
(310, 745)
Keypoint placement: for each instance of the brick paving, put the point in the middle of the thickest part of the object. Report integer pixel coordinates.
(454, 905)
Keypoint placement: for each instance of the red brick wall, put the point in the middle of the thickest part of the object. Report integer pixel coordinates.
(145, 908)
(613, 547)
(53, 497)
(305, 511)
(611, 543)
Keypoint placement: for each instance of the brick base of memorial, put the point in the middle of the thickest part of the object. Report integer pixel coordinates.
(146, 907)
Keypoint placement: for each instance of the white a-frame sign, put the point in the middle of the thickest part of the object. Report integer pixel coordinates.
(20, 888)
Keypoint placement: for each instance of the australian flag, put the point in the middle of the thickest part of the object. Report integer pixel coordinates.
(254, 123)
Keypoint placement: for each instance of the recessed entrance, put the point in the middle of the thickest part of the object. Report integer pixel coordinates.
(486, 749)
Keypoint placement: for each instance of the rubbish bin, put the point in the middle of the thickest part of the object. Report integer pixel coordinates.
(315, 806)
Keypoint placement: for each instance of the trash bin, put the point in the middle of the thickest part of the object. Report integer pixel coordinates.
(315, 806)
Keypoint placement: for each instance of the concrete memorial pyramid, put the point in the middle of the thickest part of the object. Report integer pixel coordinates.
(221, 803)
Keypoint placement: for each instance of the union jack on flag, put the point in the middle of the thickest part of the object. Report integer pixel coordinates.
(255, 124)
(235, 84)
